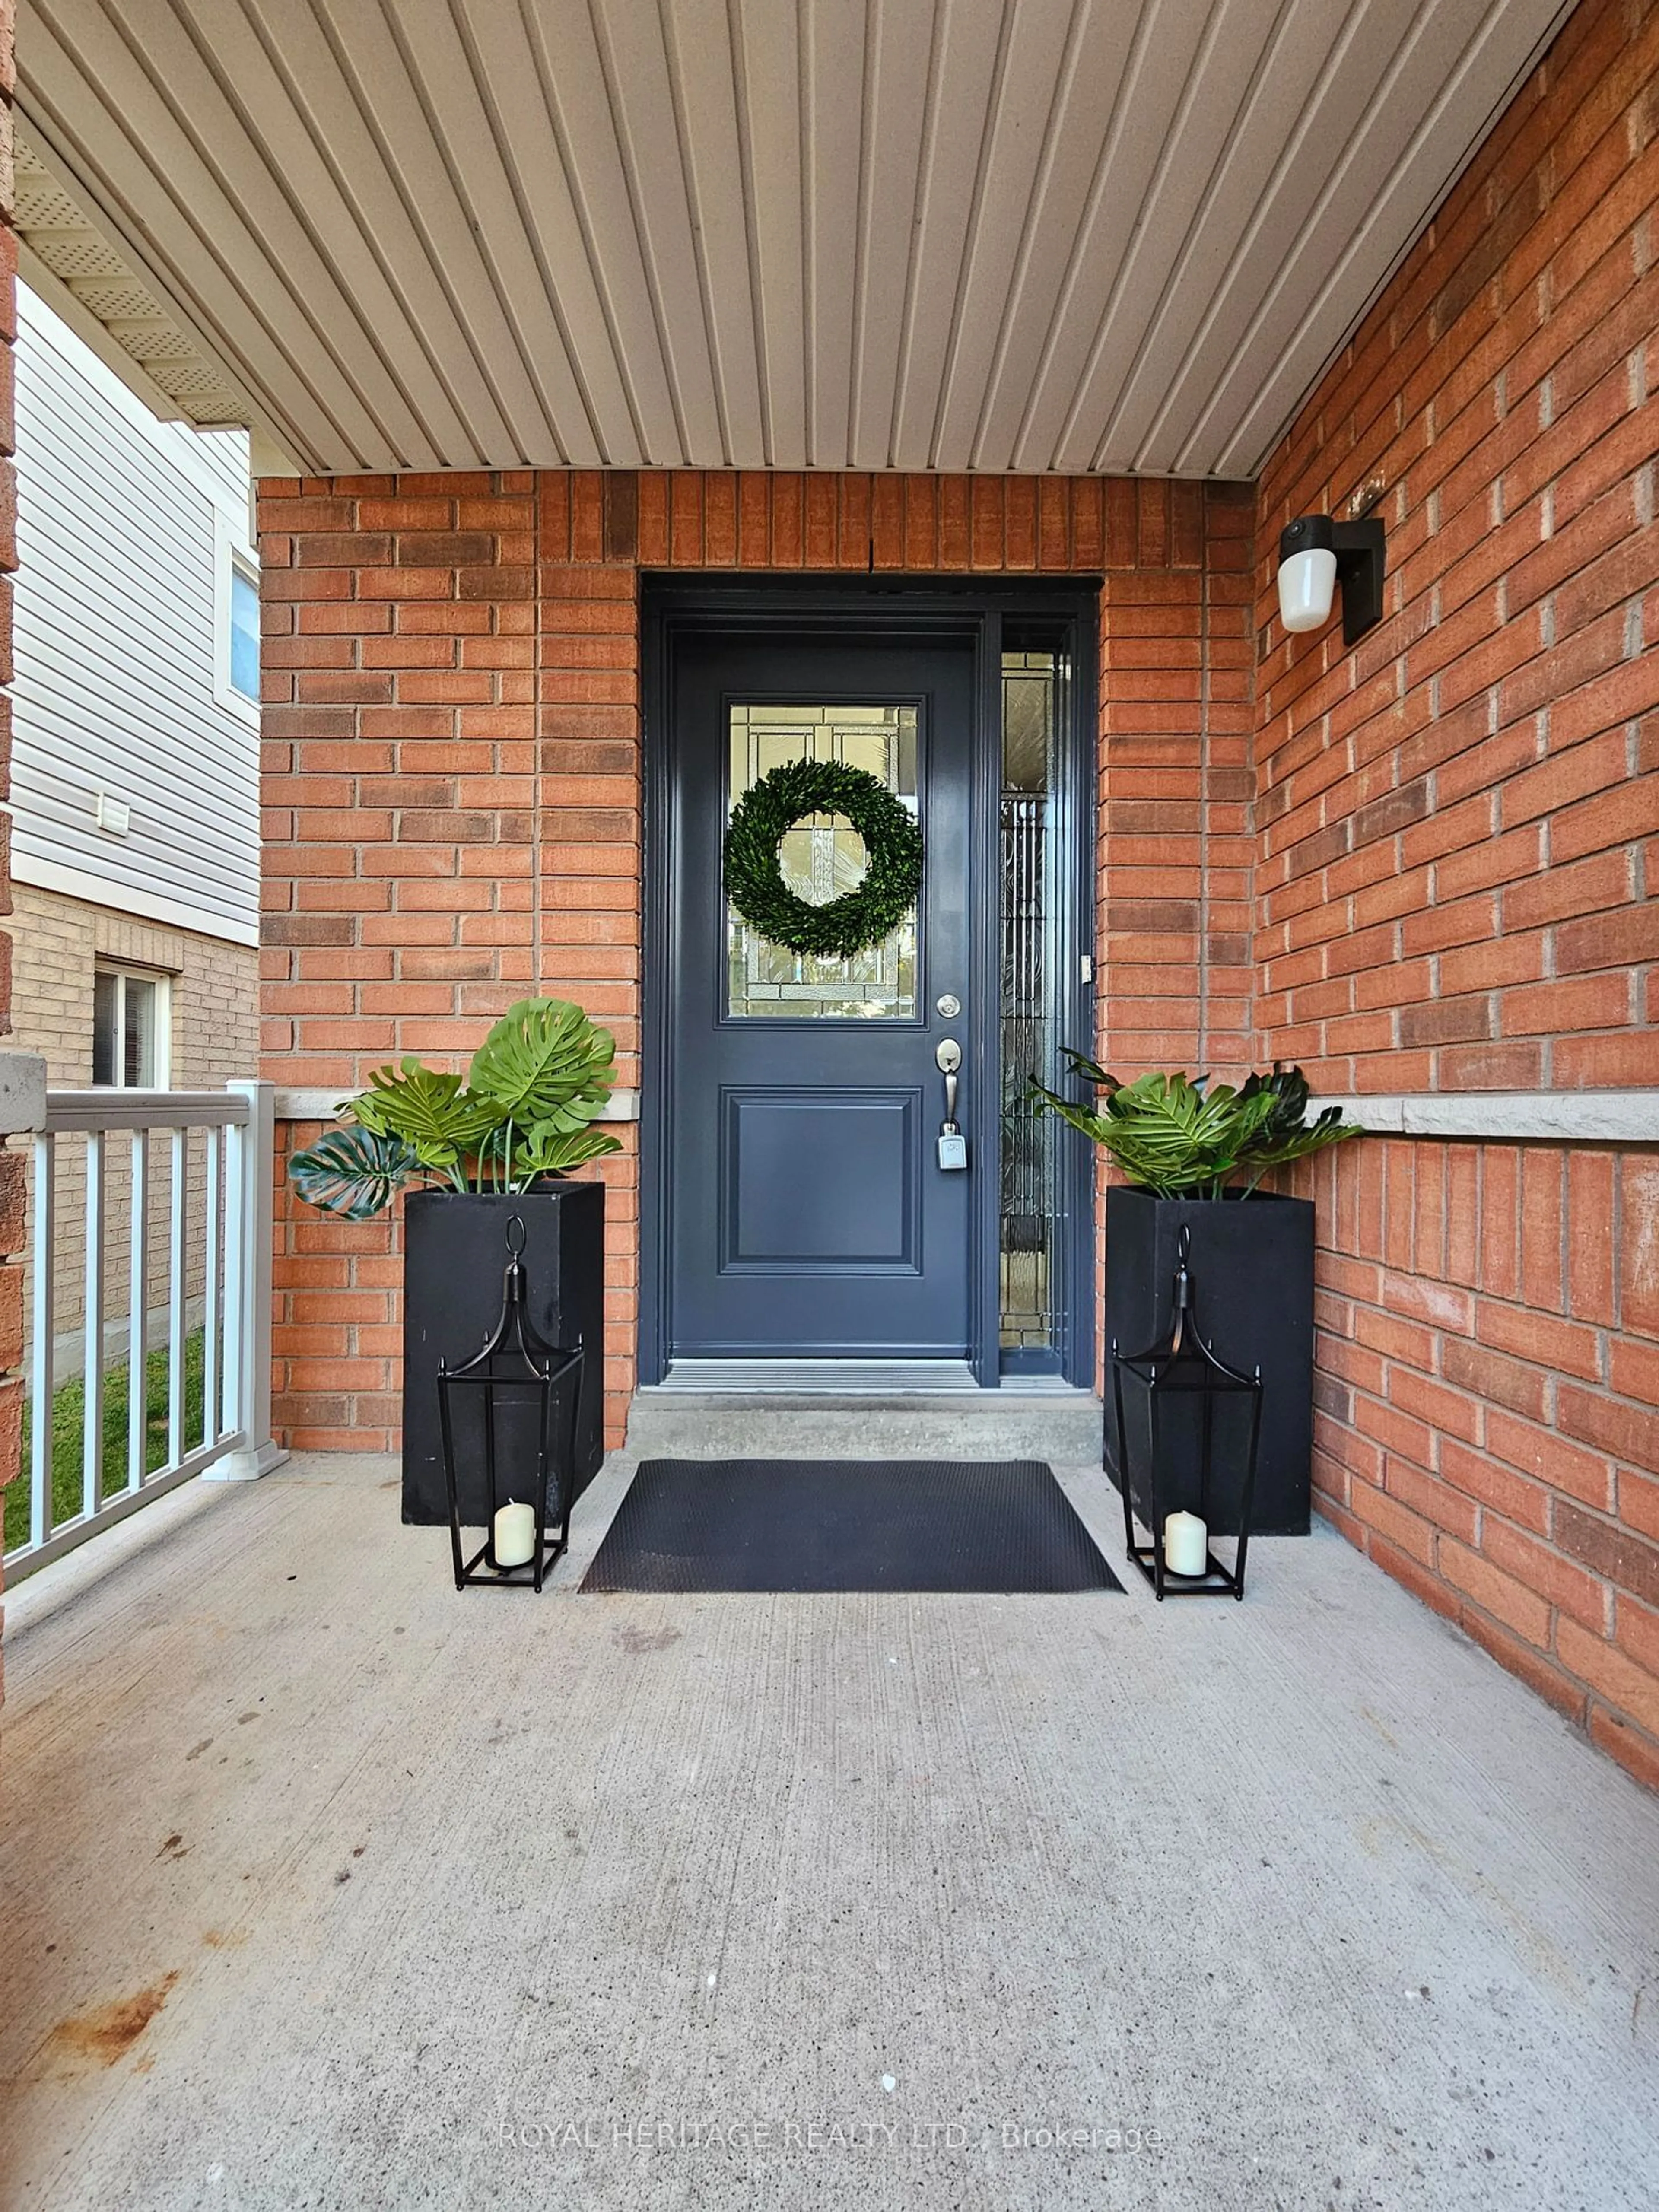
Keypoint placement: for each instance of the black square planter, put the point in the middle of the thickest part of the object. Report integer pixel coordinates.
(1252, 1263)
(455, 1257)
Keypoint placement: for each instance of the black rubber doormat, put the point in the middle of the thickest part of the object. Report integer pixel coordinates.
(1005, 1528)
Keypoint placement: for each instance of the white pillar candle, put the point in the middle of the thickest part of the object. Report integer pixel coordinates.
(515, 1536)
(1185, 1544)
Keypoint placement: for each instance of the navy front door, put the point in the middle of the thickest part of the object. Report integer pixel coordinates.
(808, 1213)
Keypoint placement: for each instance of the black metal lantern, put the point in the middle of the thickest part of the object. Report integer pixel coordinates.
(1183, 1382)
(504, 1400)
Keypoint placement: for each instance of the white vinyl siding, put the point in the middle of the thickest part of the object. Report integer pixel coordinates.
(123, 528)
(225, 454)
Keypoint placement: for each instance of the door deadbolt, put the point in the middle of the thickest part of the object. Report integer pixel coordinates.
(949, 1007)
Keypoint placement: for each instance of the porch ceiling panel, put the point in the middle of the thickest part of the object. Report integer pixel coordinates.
(998, 235)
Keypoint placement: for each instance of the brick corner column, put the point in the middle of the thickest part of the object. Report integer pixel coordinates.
(1175, 851)
(591, 529)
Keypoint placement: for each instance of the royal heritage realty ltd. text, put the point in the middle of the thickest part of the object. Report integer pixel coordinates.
(806, 2138)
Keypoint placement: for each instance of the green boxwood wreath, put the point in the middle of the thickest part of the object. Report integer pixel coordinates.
(861, 918)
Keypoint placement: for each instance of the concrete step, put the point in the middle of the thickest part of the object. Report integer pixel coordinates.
(1062, 1426)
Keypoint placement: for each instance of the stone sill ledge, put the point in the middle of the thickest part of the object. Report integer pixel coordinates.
(1560, 1117)
(318, 1105)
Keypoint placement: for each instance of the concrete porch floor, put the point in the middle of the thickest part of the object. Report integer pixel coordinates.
(327, 1886)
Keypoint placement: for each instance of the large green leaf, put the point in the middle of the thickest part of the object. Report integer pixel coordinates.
(1287, 1087)
(1176, 1136)
(1287, 1134)
(544, 1060)
(539, 1079)
(354, 1172)
(435, 1113)
(549, 1151)
(1092, 1072)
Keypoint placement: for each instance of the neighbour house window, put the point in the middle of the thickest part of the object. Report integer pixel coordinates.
(235, 620)
(244, 630)
(129, 1029)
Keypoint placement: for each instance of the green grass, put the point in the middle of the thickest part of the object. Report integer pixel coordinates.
(67, 1408)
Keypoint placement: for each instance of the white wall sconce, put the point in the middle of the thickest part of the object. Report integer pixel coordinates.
(1316, 554)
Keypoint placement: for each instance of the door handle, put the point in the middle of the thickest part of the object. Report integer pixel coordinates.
(952, 1145)
(949, 1058)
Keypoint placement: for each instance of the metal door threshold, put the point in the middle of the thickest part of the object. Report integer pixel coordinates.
(850, 1378)
(820, 1377)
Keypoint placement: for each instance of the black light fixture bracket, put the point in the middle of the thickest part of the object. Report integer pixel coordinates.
(1360, 549)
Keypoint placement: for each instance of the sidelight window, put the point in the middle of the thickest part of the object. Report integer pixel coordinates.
(1031, 1197)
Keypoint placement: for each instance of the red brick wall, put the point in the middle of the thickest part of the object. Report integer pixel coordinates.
(1455, 877)
(401, 791)
(1176, 848)
(1486, 1424)
(1456, 869)
(453, 781)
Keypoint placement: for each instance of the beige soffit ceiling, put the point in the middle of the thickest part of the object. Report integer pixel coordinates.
(1002, 234)
(68, 262)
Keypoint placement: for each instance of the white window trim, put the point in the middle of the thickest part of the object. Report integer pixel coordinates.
(123, 972)
(231, 550)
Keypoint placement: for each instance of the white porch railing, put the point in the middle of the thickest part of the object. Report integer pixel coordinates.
(216, 1264)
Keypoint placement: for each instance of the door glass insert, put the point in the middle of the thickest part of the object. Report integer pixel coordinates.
(1030, 1194)
(822, 858)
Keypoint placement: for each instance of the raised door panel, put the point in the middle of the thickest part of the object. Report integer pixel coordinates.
(821, 1180)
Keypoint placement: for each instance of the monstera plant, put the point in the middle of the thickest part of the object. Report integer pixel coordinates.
(522, 1112)
(1176, 1137)
(1182, 1143)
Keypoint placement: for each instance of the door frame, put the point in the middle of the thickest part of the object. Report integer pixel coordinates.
(672, 605)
